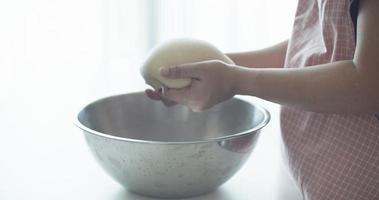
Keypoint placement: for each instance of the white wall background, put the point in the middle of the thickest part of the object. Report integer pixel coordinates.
(56, 55)
(75, 47)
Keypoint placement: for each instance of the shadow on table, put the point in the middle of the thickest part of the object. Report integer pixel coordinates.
(219, 194)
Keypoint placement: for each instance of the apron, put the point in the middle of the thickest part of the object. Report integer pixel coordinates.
(331, 156)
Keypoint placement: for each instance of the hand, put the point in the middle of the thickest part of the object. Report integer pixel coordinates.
(158, 96)
(212, 82)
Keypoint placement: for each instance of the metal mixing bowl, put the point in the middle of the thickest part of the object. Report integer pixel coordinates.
(170, 152)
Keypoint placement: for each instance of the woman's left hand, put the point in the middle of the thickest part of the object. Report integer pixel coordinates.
(212, 82)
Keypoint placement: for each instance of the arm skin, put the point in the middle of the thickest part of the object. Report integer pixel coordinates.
(273, 57)
(350, 86)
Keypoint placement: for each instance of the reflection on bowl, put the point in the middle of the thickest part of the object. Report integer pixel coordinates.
(170, 152)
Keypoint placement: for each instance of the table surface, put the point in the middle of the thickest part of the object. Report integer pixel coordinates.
(44, 156)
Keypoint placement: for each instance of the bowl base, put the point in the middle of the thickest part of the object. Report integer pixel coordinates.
(173, 196)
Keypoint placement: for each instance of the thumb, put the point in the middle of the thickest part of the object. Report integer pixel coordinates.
(182, 71)
(178, 95)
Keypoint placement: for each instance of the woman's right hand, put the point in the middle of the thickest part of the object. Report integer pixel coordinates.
(157, 95)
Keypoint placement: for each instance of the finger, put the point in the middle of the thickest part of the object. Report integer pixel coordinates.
(190, 70)
(153, 95)
(158, 97)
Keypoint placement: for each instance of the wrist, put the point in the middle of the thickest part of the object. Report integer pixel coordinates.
(232, 79)
(243, 80)
(236, 73)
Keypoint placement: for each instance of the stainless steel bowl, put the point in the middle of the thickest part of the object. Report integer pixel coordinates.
(170, 152)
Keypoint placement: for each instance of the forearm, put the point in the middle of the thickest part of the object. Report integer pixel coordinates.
(338, 87)
(271, 57)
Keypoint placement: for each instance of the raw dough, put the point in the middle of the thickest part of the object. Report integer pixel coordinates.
(176, 52)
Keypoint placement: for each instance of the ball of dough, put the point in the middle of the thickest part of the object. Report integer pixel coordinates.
(176, 52)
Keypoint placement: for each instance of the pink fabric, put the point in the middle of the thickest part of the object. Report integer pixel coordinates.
(331, 156)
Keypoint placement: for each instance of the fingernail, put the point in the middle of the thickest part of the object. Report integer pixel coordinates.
(163, 92)
(164, 71)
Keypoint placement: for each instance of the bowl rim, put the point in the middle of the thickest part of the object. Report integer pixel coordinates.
(263, 123)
